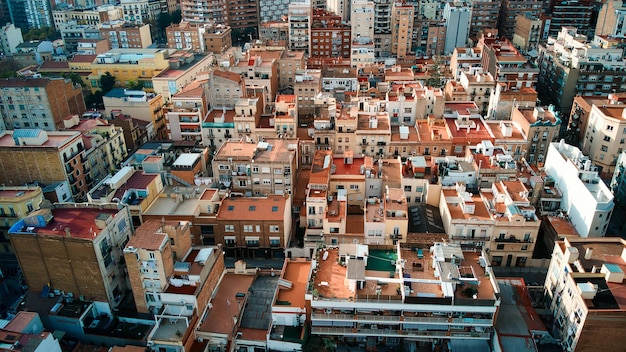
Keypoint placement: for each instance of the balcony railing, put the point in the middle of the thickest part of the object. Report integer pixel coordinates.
(465, 237)
(513, 240)
(399, 333)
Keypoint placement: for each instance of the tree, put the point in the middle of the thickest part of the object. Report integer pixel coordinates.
(135, 85)
(107, 82)
(43, 33)
(435, 76)
(75, 77)
(8, 68)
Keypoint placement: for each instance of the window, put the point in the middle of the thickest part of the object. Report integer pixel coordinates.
(354, 187)
(248, 228)
(407, 188)
(229, 228)
(500, 246)
(274, 241)
(274, 209)
(609, 128)
(525, 247)
(274, 228)
(604, 148)
(496, 260)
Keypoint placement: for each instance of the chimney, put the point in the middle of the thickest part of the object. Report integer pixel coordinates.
(588, 253)
(67, 232)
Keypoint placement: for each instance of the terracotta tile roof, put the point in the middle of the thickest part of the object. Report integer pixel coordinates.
(235, 77)
(146, 236)
(83, 58)
(271, 208)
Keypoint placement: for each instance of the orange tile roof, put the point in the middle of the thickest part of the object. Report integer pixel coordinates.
(271, 208)
(147, 236)
(297, 272)
(232, 76)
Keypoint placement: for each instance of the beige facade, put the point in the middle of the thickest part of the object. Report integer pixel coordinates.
(138, 104)
(540, 127)
(15, 204)
(401, 29)
(124, 35)
(185, 67)
(605, 137)
(308, 83)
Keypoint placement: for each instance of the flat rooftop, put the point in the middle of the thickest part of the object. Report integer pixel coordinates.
(56, 139)
(225, 304)
(257, 313)
(296, 272)
(81, 222)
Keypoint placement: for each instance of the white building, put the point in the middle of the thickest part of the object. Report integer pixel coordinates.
(586, 199)
(10, 38)
(457, 16)
(300, 18)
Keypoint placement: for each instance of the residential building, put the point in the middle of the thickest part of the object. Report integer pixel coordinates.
(257, 169)
(105, 146)
(27, 328)
(186, 112)
(34, 53)
(75, 249)
(458, 17)
(139, 104)
(605, 137)
(218, 127)
(275, 31)
(225, 89)
(528, 32)
(401, 29)
(272, 12)
(609, 19)
(307, 84)
(134, 136)
(362, 20)
(259, 69)
(73, 33)
(373, 133)
(208, 11)
(509, 11)
(16, 203)
(32, 155)
(575, 15)
(485, 16)
(584, 279)
(27, 14)
(141, 11)
(300, 18)
(464, 59)
(330, 37)
(243, 17)
(258, 227)
(465, 125)
(217, 39)
(570, 65)
(185, 67)
(126, 35)
(506, 64)
(10, 38)
(91, 16)
(39, 102)
(138, 65)
(289, 64)
(586, 199)
(382, 25)
(540, 127)
(344, 301)
(435, 40)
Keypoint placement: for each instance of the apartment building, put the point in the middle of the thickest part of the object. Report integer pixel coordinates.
(185, 67)
(75, 249)
(300, 19)
(422, 305)
(509, 11)
(307, 84)
(576, 15)
(485, 16)
(138, 104)
(10, 38)
(582, 287)
(139, 65)
(464, 59)
(258, 227)
(330, 36)
(506, 64)
(457, 15)
(225, 89)
(605, 137)
(259, 69)
(540, 127)
(16, 203)
(610, 15)
(141, 11)
(528, 31)
(499, 219)
(401, 29)
(217, 38)
(570, 65)
(30, 155)
(206, 11)
(387, 218)
(126, 35)
(186, 113)
(86, 16)
(373, 133)
(465, 125)
(618, 181)
(472, 86)
(39, 102)
(275, 31)
(257, 169)
(105, 146)
(218, 127)
(586, 199)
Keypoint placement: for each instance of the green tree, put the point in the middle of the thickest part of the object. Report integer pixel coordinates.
(8, 68)
(135, 85)
(435, 76)
(107, 82)
(43, 33)
(75, 77)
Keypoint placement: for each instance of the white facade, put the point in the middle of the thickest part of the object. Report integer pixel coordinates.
(457, 17)
(10, 38)
(586, 199)
(300, 18)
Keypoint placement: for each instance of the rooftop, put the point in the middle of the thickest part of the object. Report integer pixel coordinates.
(270, 208)
(297, 273)
(56, 139)
(148, 237)
(70, 222)
(226, 304)
(257, 312)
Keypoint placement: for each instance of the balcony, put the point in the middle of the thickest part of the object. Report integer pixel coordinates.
(471, 238)
(512, 239)
(399, 333)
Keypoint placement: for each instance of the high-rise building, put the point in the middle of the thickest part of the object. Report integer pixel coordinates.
(509, 11)
(300, 18)
(27, 14)
(10, 38)
(457, 16)
(485, 14)
(401, 29)
(204, 11)
(576, 14)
